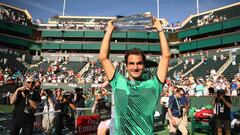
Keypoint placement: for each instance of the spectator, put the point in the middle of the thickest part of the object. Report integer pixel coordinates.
(222, 111)
(238, 67)
(235, 124)
(79, 99)
(199, 88)
(25, 101)
(48, 101)
(4, 97)
(214, 58)
(37, 85)
(175, 113)
(184, 105)
(1, 77)
(103, 108)
(58, 93)
(234, 88)
(67, 107)
(164, 103)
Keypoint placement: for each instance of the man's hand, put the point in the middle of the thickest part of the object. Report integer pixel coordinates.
(25, 92)
(215, 95)
(45, 93)
(157, 24)
(221, 97)
(110, 25)
(174, 122)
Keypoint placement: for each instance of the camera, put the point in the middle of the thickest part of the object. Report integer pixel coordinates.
(68, 96)
(48, 92)
(220, 92)
(26, 92)
(78, 90)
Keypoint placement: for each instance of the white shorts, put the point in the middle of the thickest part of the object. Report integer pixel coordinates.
(104, 124)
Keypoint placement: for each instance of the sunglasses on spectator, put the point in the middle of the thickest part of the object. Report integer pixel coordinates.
(30, 82)
(181, 94)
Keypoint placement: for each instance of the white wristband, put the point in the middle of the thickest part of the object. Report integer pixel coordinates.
(159, 30)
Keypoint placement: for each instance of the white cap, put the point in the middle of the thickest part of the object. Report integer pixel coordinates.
(29, 79)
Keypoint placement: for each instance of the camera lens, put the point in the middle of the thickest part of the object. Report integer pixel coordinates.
(26, 92)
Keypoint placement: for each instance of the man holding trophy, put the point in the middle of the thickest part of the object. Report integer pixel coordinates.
(135, 97)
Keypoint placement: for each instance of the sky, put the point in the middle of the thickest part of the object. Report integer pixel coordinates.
(172, 10)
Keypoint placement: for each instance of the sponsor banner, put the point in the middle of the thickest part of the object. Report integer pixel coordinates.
(65, 86)
(87, 125)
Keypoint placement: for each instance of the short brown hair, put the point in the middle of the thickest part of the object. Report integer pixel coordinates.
(134, 51)
(180, 89)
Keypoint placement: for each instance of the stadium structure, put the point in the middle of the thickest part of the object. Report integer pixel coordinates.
(211, 39)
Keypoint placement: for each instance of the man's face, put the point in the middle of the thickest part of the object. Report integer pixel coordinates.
(38, 84)
(135, 66)
(180, 94)
(29, 84)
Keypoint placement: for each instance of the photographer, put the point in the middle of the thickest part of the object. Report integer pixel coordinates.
(48, 102)
(25, 100)
(103, 108)
(79, 99)
(222, 111)
(37, 85)
(67, 108)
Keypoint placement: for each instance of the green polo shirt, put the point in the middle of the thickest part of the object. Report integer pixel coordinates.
(135, 104)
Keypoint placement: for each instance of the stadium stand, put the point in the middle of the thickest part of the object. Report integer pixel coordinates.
(15, 15)
(232, 69)
(75, 66)
(212, 16)
(205, 68)
(9, 60)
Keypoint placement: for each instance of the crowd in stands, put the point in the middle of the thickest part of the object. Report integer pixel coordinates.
(178, 24)
(210, 18)
(14, 16)
(92, 73)
(206, 19)
(70, 25)
(212, 82)
(202, 20)
(57, 72)
(201, 86)
(10, 74)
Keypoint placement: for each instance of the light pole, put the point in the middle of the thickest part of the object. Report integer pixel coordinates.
(158, 9)
(64, 6)
(197, 7)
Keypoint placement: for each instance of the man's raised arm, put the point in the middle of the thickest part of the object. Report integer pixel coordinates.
(164, 62)
(104, 52)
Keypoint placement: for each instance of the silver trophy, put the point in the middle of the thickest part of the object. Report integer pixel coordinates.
(137, 22)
